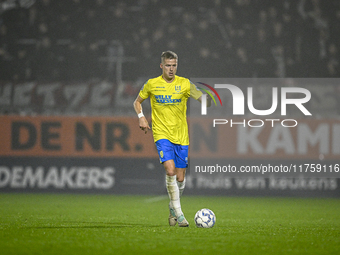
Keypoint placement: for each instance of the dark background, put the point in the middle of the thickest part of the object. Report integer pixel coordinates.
(78, 40)
(56, 55)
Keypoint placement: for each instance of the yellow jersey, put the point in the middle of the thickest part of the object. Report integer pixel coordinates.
(169, 107)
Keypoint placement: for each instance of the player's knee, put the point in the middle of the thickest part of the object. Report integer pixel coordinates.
(169, 168)
(170, 171)
(180, 178)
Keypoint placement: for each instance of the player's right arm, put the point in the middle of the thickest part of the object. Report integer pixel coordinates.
(143, 123)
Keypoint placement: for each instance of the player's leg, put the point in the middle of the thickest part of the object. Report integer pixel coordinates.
(180, 174)
(172, 187)
(166, 155)
(181, 163)
(180, 178)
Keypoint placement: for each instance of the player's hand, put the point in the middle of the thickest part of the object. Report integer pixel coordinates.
(209, 98)
(212, 93)
(143, 124)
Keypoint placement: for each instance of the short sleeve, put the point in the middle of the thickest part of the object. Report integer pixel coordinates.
(145, 92)
(195, 93)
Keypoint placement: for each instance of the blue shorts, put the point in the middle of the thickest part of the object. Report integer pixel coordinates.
(168, 150)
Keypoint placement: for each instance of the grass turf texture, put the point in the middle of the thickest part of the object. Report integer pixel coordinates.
(104, 224)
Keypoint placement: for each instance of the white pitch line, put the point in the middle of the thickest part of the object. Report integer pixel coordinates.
(156, 199)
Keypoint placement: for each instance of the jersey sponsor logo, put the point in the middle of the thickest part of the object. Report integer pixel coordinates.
(166, 99)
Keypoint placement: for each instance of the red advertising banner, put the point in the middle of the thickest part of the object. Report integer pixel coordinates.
(266, 139)
(74, 137)
(62, 136)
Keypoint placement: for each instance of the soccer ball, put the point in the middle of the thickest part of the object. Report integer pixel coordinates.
(205, 218)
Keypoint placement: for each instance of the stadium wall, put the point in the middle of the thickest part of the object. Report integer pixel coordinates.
(110, 155)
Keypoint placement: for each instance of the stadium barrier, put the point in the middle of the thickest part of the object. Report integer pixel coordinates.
(111, 155)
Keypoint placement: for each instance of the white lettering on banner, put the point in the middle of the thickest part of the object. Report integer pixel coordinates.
(74, 177)
(48, 91)
(56, 96)
(249, 137)
(51, 179)
(300, 183)
(5, 94)
(220, 183)
(250, 183)
(74, 94)
(16, 177)
(100, 96)
(66, 175)
(22, 94)
(32, 178)
(325, 137)
(307, 137)
(303, 184)
(280, 138)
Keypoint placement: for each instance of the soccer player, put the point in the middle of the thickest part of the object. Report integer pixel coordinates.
(168, 96)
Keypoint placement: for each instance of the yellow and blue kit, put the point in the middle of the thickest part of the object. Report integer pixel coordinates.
(169, 107)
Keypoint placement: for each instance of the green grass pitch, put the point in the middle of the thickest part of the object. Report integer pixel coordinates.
(110, 224)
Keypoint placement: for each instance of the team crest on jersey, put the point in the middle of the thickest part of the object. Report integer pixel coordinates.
(178, 88)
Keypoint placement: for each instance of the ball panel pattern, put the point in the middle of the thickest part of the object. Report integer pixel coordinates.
(205, 218)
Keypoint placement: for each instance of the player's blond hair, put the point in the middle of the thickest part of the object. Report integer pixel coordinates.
(168, 55)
